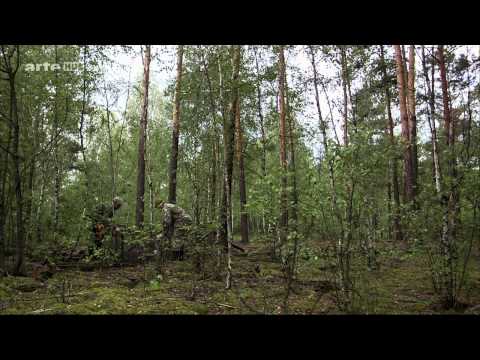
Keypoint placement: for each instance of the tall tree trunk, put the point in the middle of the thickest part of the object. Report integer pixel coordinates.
(172, 189)
(408, 166)
(397, 230)
(337, 139)
(469, 120)
(241, 175)
(292, 258)
(141, 142)
(31, 178)
(431, 119)
(215, 145)
(343, 60)
(3, 207)
(110, 151)
(262, 130)
(223, 228)
(260, 116)
(20, 261)
(348, 81)
(321, 123)
(56, 167)
(323, 127)
(447, 115)
(449, 199)
(412, 118)
(213, 181)
(229, 146)
(38, 215)
(19, 267)
(283, 149)
(87, 193)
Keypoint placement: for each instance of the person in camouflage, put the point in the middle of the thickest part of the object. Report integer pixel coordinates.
(102, 222)
(176, 222)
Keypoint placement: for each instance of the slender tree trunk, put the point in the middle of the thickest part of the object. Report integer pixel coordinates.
(110, 151)
(241, 174)
(223, 229)
(87, 193)
(283, 149)
(31, 178)
(56, 167)
(260, 116)
(408, 166)
(39, 208)
(213, 181)
(431, 120)
(151, 192)
(337, 139)
(172, 190)
(469, 121)
(142, 140)
(391, 231)
(348, 81)
(344, 243)
(215, 145)
(292, 259)
(447, 115)
(323, 127)
(449, 199)
(262, 131)
(19, 268)
(229, 144)
(3, 207)
(412, 118)
(321, 123)
(345, 96)
(397, 230)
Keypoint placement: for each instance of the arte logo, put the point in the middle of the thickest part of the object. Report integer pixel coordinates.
(65, 66)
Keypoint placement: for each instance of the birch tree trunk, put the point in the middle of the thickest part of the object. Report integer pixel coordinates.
(449, 199)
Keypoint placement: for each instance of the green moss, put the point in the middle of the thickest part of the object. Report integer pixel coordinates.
(398, 287)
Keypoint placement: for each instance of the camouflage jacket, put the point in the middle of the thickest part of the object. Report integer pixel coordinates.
(172, 211)
(102, 214)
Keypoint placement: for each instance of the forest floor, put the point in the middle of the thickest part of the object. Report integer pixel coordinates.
(401, 285)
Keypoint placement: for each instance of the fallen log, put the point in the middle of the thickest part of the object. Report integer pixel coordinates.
(238, 247)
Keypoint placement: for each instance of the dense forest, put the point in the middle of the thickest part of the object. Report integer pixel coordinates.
(242, 179)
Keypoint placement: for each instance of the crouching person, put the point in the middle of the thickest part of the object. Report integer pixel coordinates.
(102, 223)
(176, 230)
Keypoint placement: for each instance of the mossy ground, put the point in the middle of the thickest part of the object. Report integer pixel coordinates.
(401, 285)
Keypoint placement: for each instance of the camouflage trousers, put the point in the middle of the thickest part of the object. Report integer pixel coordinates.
(180, 235)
